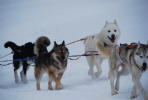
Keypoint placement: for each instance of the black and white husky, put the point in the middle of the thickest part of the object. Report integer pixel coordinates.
(132, 58)
(23, 52)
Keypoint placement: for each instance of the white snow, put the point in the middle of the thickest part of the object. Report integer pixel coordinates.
(25, 20)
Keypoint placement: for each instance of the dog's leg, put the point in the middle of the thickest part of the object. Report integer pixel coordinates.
(50, 82)
(112, 75)
(117, 81)
(112, 79)
(60, 75)
(90, 61)
(123, 71)
(134, 92)
(38, 76)
(137, 84)
(57, 81)
(16, 67)
(98, 62)
(23, 73)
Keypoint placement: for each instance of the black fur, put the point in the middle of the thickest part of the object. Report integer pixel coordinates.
(21, 52)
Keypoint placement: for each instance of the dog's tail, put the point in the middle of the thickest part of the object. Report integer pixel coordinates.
(41, 45)
(11, 45)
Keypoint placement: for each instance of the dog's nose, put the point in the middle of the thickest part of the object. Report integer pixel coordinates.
(63, 57)
(113, 36)
(144, 64)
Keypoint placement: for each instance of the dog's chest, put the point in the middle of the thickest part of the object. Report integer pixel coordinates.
(56, 70)
(104, 51)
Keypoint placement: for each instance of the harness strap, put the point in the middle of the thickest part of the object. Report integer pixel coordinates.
(132, 46)
(6, 55)
(76, 41)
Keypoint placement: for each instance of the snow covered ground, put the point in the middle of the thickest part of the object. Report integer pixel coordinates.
(25, 20)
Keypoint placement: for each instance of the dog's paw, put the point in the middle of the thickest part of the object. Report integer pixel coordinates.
(50, 88)
(38, 89)
(97, 74)
(16, 81)
(25, 81)
(59, 87)
(117, 87)
(114, 92)
(23, 77)
(90, 73)
(133, 96)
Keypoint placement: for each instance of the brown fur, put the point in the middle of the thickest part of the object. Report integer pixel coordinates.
(54, 64)
(40, 45)
(105, 50)
(51, 74)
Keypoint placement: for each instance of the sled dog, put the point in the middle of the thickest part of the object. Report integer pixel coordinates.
(103, 43)
(23, 52)
(54, 64)
(133, 59)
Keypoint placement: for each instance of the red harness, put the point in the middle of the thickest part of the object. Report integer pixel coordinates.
(131, 46)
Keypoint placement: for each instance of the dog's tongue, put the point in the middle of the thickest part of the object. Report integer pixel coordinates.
(144, 68)
(113, 41)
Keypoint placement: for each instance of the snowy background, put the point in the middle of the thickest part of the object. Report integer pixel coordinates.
(25, 20)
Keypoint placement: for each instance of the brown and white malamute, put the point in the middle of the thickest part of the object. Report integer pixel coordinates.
(54, 64)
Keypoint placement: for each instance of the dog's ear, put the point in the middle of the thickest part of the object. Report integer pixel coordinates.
(55, 44)
(115, 22)
(106, 22)
(63, 43)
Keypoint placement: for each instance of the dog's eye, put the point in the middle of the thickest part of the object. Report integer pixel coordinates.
(137, 53)
(115, 30)
(141, 56)
(109, 31)
(146, 56)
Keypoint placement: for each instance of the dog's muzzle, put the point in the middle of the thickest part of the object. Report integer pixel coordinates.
(62, 60)
(144, 66)
(112, 38)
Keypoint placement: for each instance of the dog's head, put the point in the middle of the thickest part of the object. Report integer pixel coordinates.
(141, 56)
(111, 32)
(60, 53)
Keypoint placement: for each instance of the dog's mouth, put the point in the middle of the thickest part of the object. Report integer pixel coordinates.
(62, 60)
(112, 38)
(144, 67)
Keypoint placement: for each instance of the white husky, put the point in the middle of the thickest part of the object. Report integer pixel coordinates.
(132, 58)
(103, 43)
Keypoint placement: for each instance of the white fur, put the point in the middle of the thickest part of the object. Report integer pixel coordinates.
(130, 66)
(36, 49)
(140, 59)
(91, 45)
(23, 77)
(16, 77)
